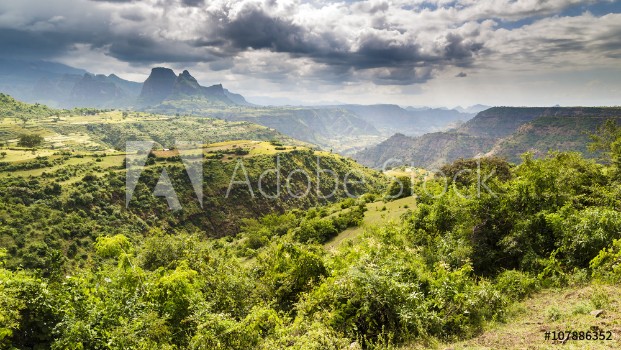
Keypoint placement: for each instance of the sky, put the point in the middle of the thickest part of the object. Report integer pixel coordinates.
(411, 53)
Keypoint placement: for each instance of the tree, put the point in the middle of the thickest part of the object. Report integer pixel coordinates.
(30, 140)
(605, 137)
(401, 187)
(3, 154)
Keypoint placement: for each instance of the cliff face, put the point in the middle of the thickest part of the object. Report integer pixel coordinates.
(158, 85)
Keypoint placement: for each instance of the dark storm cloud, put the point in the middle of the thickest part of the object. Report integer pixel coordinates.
(252, 28)
(257, 30)
(460, 50)
(144, 49)
(194, 3)
(24, 44)
(363, 41)
(128, 33)
(378, 52)
(129, 47)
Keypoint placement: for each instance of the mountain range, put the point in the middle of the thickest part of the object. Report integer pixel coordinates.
(507, 132)
(163, 85)
(345, 129)
(62, 86)
(373, 134)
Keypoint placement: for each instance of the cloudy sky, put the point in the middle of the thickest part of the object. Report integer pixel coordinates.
(418, 52)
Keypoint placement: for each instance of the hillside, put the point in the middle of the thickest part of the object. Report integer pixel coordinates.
(78, 171)
(503, 131)
(459, 271)
(102, 130)
(559, 133)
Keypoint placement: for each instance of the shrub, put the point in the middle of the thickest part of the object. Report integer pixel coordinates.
(516, 285)
(586, 232)
(286, 270)
(607, 264)
(315, 230)
(30, 140)
(401, 187)
(112, 246)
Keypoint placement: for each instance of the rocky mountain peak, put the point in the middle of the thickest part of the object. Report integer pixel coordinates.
(186, 84)
(158, 85)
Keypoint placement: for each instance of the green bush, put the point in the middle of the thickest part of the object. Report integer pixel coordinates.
(516, 285)
(607, 264)
(286, 270)
(586, 232)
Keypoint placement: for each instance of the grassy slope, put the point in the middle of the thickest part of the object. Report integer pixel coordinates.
(377, 214)
(382, 213)
(550, 310)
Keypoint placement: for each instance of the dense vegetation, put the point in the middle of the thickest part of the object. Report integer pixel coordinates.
(79, 270)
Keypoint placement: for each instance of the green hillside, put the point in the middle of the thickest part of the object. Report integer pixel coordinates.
(502, 131)
(343, 257)
(87, 129)
(552, 133)
(451, 271)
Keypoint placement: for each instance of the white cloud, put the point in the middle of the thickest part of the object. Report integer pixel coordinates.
(304, 44)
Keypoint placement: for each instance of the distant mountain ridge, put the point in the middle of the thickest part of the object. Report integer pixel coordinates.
(162, 85)
(502, 131)
(473, 109)
(344, 129)
(390, 119)
(62, 86)
(329, 128)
